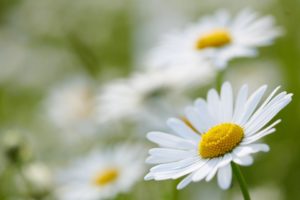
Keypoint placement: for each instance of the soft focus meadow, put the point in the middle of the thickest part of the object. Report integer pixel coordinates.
(79, 90)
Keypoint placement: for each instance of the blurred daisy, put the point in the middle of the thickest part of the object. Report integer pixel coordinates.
(102, 175)
(218, 38)
(71, 106)
(132, 97)
(224, 133)
(40, 178)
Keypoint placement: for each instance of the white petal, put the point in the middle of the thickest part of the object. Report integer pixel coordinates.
(213, 104)
(225, 177)
(242, 151)
(148, 177)
(252, 137)
(244, 17)
(202, 110)
(175, 165)
(196, 119)
(160, 155)
(221, 163)
(269, 97)
(213, 171)
(174, 174)
(190, 169)
(268, 113)
(222, 17)
(182, 129)
(202, 172)
(257, 136)
(264, 108)
(231, 51)
(244, 161)
(184, 182)
(168, 152)
(226, 102)
(171, 141)
(252, 104)
(240, 102)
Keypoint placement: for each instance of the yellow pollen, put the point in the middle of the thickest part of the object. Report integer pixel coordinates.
(105, 177)
(220, 140)
(215, 38)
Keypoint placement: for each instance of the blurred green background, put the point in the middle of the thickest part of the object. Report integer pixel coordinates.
(43, 42)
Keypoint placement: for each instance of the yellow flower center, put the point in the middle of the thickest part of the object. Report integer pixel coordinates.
(215, 38)
(105, 177)
(220, 139)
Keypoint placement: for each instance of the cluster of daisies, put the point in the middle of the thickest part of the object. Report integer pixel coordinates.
(208, 136)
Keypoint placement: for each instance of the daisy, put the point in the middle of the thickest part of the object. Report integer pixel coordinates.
(70, 106)
(40, 178)
(102, 175)
(224, 131)
(135, 96)
(217, 38)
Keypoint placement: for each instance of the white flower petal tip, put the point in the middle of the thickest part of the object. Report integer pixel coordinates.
(150, 160)
(289, 96)
(152, 136)
(188, 152)
(180, 186)
(184, 182)
(266, 148)
(148, 177)
(250, 149)
(244, 161)
(173, 122)
(225, 177)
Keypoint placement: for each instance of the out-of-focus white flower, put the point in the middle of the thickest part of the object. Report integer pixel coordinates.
(219, 132)
(102, 175)
(132, 97)
(70, 106)
(39, 176)
(218, 38)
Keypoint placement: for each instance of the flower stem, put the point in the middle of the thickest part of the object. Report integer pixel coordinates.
(243, 185)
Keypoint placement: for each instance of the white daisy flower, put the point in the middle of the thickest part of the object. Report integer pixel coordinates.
(102, 175)
(224, 131)
(133, 97)
(70, 106)
(218, 38)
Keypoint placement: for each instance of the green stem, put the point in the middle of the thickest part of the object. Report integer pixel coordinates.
(243, 185)
(85, 55)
